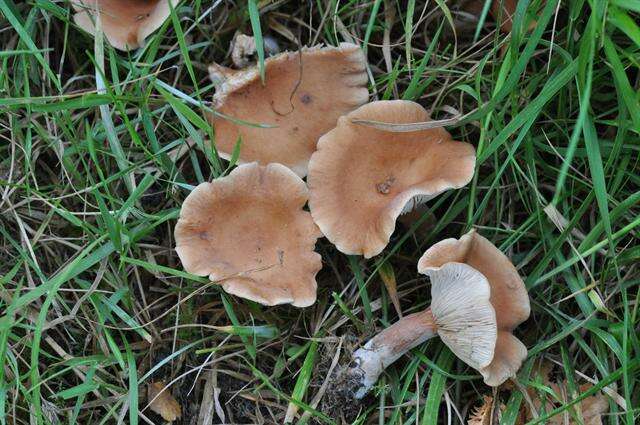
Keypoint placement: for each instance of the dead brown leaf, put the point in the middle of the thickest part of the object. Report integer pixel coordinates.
(388, 277)
(487, 413)
(590, 409)
(162, 402)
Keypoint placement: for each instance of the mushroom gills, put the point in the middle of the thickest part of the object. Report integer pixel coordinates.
(463, 313)
(460, 313)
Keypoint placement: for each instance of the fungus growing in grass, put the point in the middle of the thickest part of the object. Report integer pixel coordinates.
(302, 97)
(477, 299)
(509, 296)
(248, 232)
(460, 313)
(362, 177)
(125, 23)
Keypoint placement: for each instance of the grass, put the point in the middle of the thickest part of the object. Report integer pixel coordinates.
(99, 148)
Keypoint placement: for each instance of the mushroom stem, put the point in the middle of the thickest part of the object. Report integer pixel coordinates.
(388, 346)
(460, 313)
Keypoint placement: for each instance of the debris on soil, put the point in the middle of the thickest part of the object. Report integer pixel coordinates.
(244, 47)
(162, 402)
(486, 414)
(339, 401)
(239, 409)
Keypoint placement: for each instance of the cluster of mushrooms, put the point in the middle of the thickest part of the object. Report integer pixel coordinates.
(365, 164)
(249, 231)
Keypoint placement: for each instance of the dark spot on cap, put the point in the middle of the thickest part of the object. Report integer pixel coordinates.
(305, 98)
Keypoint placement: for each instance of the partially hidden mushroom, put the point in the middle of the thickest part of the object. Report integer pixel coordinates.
(477, 299)
(125, 23)
(301, 98)
(249, 232)
(504, 11)
(362, 177)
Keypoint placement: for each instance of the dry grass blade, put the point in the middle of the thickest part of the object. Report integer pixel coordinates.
(408, 127)
(388, 277)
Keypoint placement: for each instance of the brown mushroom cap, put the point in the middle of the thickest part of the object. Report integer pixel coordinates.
(125, 23)
(249, 232)
(362, 178)
(303, 95)
(509, 296)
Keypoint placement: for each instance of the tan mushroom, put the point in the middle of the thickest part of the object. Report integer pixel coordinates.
(460, 314)
(125, 23)
(249, 232)
(362, 178)
(508, 296)
(504, 10)
(302, 97)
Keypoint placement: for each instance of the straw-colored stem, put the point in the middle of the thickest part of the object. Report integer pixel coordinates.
(388, 346)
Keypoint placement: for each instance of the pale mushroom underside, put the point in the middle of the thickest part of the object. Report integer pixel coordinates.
(362, 178)
(125, 23)
(248, 232)
(302, 97)
(465, 319)
(509, 296)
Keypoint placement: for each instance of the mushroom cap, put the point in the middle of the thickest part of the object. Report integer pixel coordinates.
(249, 232)
(125, 23)
(362, 178)
(509, 295)
(464, 316)
(303, 95)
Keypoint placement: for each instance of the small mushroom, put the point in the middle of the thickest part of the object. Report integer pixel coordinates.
(362, 177)
(249, 232)
(302, 97)
(460, 313)
(508, 296)
(125, 23)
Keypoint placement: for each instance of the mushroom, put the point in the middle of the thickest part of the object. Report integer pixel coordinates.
(477, 299)
(249, 232)
(302, 97)
(509, 296)
(125, 23)
(460, 313)
(362, 177)
(504, 10)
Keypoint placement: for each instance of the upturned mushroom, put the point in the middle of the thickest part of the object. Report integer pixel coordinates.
(477, 299)
(249, 232)
(301, 98)
(362, 177)
(125, 23)
(460, 313)
(509, 296)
